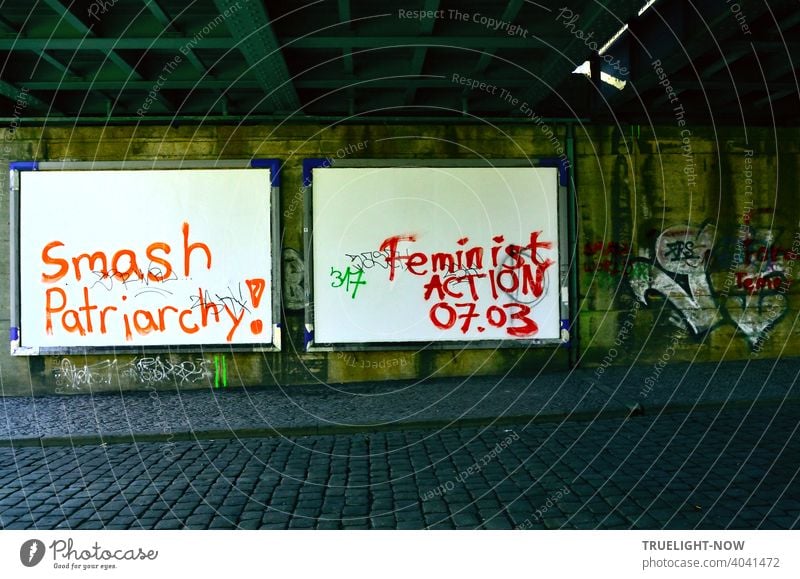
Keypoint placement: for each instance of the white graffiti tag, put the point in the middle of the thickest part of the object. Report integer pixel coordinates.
(680, 275)
(683, 252)
(71, 378)
(148, 370)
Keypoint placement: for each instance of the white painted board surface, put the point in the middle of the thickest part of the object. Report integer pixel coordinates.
(145, 258)
(435, 254)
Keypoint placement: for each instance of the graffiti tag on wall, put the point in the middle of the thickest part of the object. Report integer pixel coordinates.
(148, 370)
(751, 296)
(294, 276)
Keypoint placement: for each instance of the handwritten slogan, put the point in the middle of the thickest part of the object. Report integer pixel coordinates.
(450, 255)
(470, 289)
(182, 275)
(458, 283)
(99, 272)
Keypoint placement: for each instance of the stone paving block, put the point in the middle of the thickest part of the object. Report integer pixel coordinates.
(275, 517)
(302, 523)
(355, 524)
(381, 491)
(656, 519)
(169, 524)
(434, 518)
(356, 499)
(252, 511)
(16, 511)
(645, 521)
(230, 511)
(333, 504)
(496, 523)
(222, 523)
(328, 525)
(382, 507)
(629, 508)
(310, 503)
(198, 520)
(487, 502)
(406, 496)
(410, 525)
(444, 525)
(415, 516)
(556, 522)
(518, 509)
(774, 523)
(182, 511)
(355, 510)
(595, 506)
(465, 520)
(679, 523)
(617, 527)
(172, 495)
(49, 522)
(434, 506)
(90, 525)
(204, 509)
(26, 519)
(613, 519)
(306, 512)
(383, 523)
(65, 525)
(20, 525)
(283, 496)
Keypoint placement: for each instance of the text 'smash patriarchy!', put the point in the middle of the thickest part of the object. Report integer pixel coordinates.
(182, 275)
(99, 271)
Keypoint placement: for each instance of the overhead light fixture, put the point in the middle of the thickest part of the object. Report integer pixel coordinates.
(614, 81)
(586, 68)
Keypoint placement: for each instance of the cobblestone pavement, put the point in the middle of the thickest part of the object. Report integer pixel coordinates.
(707, 469)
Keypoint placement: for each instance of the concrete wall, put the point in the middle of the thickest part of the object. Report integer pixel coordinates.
(661, 217)
(700, 225)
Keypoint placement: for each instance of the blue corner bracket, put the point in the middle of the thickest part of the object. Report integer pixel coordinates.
(24, 166)
(561, 164)
(565, 325)
(274, 166)
(14, 334)
(313, 163)
(308, 337)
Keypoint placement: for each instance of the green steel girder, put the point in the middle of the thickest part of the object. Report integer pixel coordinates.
(22, 96)
(168, 24)
(390, 82)
(418, 60)
(253, 36)
(174, 43)
(68, 16)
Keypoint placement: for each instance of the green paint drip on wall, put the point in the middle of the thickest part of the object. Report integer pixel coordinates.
(217, 373)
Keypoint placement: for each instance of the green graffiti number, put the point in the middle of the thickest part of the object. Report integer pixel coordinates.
(350, 278)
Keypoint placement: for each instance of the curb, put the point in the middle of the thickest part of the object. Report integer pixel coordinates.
(330, 429)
